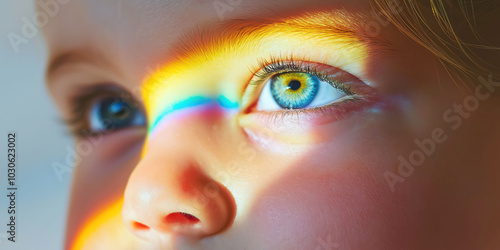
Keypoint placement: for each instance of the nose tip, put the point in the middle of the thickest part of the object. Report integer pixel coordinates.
(184, 203)
(209, 220)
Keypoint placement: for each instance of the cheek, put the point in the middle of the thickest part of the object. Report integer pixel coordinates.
(338, 197)
(100, 177)
(350, 210)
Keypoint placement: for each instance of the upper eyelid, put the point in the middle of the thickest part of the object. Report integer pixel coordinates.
(84, 68)
(106, 88)
(86, 56)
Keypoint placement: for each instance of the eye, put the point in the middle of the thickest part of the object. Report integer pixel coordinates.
(296, 100)
(291, 87)
(297, 90)
(104, 109)
(114, 113)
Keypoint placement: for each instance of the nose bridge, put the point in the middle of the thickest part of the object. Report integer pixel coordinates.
(191, 125)
(178, 91)
(208, 107)
(166, 193)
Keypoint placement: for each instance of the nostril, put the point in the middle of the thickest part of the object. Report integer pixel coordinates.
(181, 218)
(139, 226)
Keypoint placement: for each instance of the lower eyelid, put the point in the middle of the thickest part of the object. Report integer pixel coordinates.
(301, 127)
(313, 116)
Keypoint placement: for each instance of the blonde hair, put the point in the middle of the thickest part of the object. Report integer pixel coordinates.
(449, 30)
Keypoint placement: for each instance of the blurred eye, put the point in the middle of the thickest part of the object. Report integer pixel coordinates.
(104, 109)
(114, 113)
(296, 90)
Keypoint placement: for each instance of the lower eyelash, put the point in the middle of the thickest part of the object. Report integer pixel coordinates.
(324, 110)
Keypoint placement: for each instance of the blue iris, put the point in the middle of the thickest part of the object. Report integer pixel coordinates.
(294, 90)
(115, 113)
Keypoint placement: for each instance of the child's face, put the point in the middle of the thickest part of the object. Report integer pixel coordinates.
(263, 124)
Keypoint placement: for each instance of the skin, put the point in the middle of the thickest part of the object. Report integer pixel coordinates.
(261, 180)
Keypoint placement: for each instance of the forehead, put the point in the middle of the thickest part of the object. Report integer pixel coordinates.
(140, 28)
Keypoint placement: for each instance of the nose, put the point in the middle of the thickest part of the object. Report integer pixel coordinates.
(171, 192)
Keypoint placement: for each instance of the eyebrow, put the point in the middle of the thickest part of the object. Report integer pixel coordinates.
(73, 56)
(339, 25)
(58, 61)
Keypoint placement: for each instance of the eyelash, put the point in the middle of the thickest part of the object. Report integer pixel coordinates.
(268, 68)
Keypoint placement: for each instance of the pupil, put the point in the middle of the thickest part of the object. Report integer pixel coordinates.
(294, 85)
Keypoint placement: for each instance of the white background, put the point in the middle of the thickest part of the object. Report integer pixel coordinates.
(25, 107)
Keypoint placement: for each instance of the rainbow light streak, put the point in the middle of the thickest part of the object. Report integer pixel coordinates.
(191, 102)
(95, 222)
